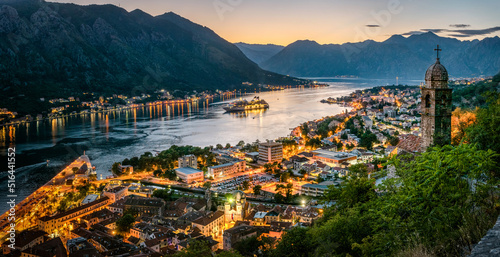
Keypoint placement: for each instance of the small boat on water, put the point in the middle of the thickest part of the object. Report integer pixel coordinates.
(243, 105)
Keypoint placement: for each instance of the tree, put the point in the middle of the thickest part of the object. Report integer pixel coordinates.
(157, 172)
(314, 143)
(367, 140)
(164, 194)
(63, 205)
(340, 145)
(394, 141)
(486, 131)
(355, 191)
(284, 176)
(297, 242)
(288, 191)
(115, 168)
(126, 162)
(304, 130)
(279, 198)
(460, 121)
(253, 245)
(147, 154)
(207, 185)
(283, 189)
(438, 195)
(70, 196)
(246, 184)
(442, 201)
(195, 248)
(219, 146)
(241, 143)
(230, 253)
(324, 129)
(124, 224)
(228, 145)
(279, 188)
(341, 233)
(170, 174)
(358, 170)
(257, 189)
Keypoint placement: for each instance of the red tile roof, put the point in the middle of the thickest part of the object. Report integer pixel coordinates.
(209, 218)
(410, 143)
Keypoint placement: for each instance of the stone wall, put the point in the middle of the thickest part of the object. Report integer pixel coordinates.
(489, 244)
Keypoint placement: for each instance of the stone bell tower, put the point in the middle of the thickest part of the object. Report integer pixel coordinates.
(436, 106)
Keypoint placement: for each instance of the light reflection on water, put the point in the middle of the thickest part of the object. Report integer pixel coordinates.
(112, 136)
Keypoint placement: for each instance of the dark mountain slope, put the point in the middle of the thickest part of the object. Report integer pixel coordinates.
(57, 50)
(259, 53)
(397, 56)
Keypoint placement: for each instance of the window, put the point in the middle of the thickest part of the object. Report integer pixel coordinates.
(427, 101)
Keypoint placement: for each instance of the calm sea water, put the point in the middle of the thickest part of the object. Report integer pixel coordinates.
(109, 138)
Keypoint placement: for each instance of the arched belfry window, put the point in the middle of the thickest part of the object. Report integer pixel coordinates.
(427, 101)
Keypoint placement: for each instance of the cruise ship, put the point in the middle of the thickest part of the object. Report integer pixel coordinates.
(244, 105)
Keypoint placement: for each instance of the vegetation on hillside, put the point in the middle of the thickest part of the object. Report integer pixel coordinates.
(441, 204)
(163, 163)
(466, 96)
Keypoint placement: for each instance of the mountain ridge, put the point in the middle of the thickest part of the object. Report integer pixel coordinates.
(259, 53)
(57, 50)
(397, 56)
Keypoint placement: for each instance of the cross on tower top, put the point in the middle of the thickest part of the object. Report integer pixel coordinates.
(437, 51)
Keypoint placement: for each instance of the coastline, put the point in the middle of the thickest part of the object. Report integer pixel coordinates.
(65, 173)
(284, 132)
(37, 196)
(224, 96)
(114, 109)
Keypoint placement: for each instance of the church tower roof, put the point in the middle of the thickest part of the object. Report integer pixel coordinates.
(436, 75)
(436, 72)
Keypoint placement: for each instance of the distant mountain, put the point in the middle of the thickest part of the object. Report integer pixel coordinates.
(52, 49)
(406, 58)
(259, 53)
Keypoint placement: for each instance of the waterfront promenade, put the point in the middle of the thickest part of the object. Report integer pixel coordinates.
(26, 209)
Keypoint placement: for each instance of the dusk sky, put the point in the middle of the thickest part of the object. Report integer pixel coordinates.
(327, 21)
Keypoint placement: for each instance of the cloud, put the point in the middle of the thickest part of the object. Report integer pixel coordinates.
(459, 25)
(458, 35)
(414, 32)
(477, 32)
(372, 25)
(434, 30)
(457, 32)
